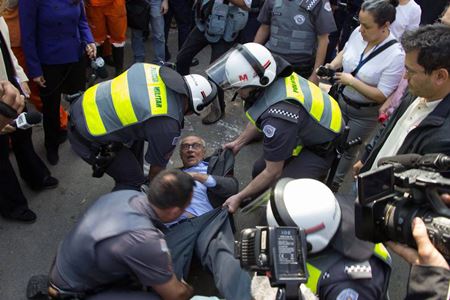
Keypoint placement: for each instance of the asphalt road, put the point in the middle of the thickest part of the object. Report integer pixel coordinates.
(28, 249)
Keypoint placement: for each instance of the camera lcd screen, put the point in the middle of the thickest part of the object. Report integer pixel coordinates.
(375, 184)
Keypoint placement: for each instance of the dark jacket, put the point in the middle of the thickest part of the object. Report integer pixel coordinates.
(431, 136)
(220, 167)
(427, 282)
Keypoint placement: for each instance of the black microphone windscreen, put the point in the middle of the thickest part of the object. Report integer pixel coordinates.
(33, 117)
(102, 72)
(402, 159)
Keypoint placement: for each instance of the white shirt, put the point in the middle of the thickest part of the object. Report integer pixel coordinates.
(384, 71)
(413, 116)
(407, 18)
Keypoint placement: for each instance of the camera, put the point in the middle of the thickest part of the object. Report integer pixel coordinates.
(279, 252)
(325, 72)
(404, 187)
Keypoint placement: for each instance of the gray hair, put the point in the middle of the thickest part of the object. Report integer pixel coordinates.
(382, 10)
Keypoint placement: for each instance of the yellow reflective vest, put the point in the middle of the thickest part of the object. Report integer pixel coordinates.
(296, 89)
(134, 96)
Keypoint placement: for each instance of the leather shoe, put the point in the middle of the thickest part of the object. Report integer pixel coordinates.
(21, 214)
(48, 182)
(52, 156)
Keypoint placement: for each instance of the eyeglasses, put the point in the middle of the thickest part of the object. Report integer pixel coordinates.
(195, 146)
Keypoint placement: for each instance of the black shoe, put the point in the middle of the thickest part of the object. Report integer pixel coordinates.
(52, 156)
(194, 62)
(49, 182)
(22, 214)
(37, 287)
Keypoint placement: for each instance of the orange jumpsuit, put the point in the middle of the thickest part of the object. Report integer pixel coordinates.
(107, 18)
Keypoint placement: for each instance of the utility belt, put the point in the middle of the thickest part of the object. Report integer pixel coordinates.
(354, 104)
(58, 294)
(323, 150)
(102, 155)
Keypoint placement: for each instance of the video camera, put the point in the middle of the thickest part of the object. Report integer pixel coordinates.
(404, 187)
(279, 253)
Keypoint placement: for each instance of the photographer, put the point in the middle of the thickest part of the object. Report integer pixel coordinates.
(429, 267)
(421, 123)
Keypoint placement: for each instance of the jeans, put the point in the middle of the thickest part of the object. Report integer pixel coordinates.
(157, 31)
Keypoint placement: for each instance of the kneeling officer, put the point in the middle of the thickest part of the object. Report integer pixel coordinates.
(111, 120)
(340, 266)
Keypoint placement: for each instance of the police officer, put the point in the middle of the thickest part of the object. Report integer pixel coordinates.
(117, 245)
(300, 122)
(298, 31)
(110, 121)
(340, 266)
(217, 23)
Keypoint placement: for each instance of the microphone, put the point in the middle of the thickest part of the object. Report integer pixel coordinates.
(437, 161)
(98, 65)
(26, 120)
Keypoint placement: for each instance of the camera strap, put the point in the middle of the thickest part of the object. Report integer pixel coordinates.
(377, 51)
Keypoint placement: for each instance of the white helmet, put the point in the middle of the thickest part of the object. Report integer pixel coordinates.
(201, 92)
(245, 65)
(308, 204)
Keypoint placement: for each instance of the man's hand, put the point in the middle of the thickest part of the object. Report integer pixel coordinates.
(25, 89)
(7, 129)
(198, 176)
(313, 78)
(164, 7)
(357, 168)
(14, 102)
(40, 80)
(233, 203)
(234, 146)
(426, 253)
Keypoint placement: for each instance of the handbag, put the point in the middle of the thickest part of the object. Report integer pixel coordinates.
(138, 14)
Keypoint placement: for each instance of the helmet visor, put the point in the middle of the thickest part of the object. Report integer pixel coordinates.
(217, 71)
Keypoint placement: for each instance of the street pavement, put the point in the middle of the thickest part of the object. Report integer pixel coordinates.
(28, 249)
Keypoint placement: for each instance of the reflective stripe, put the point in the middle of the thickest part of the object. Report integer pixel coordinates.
(382, 253)
(317, 101)
(249, 117)
(121, 100)
(293, 89)
(336, 116)
(313, 278)
(156, 90)
(94, 122)
(297, 150)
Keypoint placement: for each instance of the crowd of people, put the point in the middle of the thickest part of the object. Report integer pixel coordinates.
(389, 67)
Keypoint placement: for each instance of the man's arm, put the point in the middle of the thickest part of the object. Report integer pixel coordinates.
(322, 44)
(250, 133)
(259, 183)
(241, 4)
(262, 35)
(154, 170)
(174, 290)
(12, 103)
